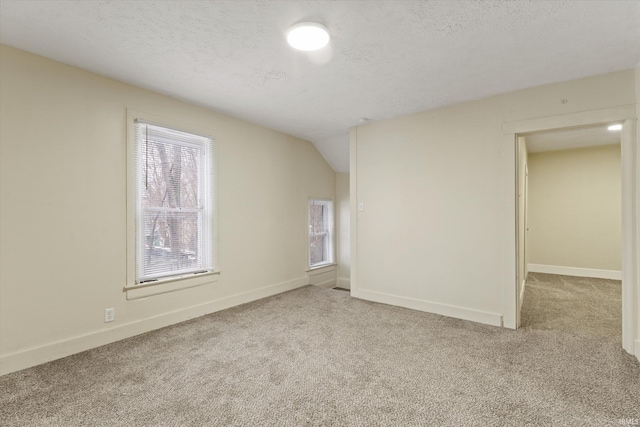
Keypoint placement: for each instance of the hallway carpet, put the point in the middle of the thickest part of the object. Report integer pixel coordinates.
(317, 357)
(574, 304)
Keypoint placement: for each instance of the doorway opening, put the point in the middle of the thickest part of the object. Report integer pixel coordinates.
(625, 115)
(569, 230)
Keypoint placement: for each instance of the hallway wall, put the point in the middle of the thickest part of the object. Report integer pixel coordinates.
(575, 208)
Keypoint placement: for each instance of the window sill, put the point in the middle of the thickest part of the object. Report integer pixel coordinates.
(170, 285)
(319, 269)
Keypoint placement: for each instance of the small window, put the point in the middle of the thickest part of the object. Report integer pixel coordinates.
(173, 176)
(320, 232)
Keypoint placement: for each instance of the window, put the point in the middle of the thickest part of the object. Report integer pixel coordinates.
(320, 232)
(173, 179)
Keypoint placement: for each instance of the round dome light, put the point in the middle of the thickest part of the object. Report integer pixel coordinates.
(308, 36)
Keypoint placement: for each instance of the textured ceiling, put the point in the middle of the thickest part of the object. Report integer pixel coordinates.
(572, 138)
(385, 59)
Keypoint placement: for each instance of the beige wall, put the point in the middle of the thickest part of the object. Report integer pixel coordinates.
(575, 208)
(63, 210)
(343, 229)
(431, 234)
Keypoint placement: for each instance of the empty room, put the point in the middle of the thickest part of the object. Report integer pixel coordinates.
(238, 213)
(573, 230)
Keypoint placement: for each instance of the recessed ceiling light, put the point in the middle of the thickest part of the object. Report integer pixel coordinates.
(615, 127)
(308, 36)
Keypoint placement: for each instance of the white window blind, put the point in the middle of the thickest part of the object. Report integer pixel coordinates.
(174, 203)
(320, 232)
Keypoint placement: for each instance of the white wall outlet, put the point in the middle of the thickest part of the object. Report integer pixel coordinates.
(361, 207)
(109, 315)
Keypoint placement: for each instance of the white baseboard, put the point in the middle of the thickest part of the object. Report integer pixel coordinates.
(344, 282)
(431, 307)
(328, 284)
(26, 358)
(574, 271)
(324, 277)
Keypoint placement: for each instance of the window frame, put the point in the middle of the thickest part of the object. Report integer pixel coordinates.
(133, 288)
(330, 233)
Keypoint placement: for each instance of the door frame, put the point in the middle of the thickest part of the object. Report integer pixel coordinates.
(630, 210)
(525, 215)
(521, 198)
(525, 237)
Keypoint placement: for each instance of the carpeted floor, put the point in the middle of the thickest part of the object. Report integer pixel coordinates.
(573, 304)
(316, 357)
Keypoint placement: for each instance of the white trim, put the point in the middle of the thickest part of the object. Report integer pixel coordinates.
(508, 218)
(630, 207)
(630, 240)
(132, 116)
(29, 357)
(571, 120)
(353, 206)
(321, 269)
(331, 250)
(634, 172)
(487, 318)
(575, 271)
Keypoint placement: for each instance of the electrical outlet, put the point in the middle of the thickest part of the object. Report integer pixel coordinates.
(109, 315)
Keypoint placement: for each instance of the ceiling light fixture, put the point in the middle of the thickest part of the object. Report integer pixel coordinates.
(615, 127)
(308, 36)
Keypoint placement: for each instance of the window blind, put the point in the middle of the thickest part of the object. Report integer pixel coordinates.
(174, 202)
(320, 232)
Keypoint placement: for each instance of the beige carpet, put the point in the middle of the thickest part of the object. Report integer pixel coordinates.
(573, 304)
(317, 357)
